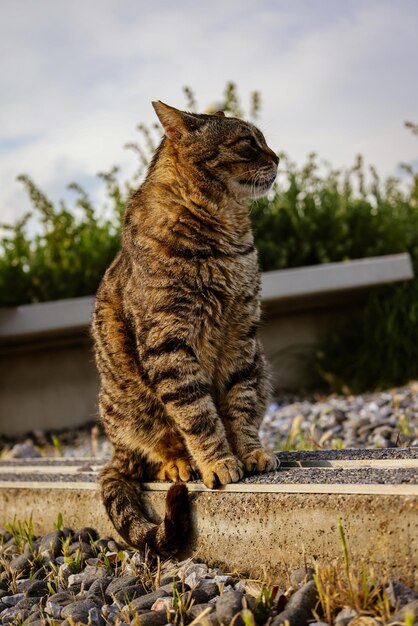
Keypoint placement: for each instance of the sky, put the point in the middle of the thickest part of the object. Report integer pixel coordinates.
(337, 77)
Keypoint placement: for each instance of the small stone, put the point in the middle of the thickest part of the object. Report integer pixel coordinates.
(399, 594)
(197, 609)
(120, 583)
(52, 543)
(178, 585)
(53, 609)
(76, 579)
(62, 597)
(25, 450)
(344, 617)
(13, 614)
(84, 548)
(93, 572)
(166, 580)
(12, 600)
(86, 535)
(162, 604)
(153, 618)
(228, 606)
(110, 612)
(127, 594)
(304, 598)
(301, 576)
(146, 601)
(21, 563)
(64, 571)
(78, 611)
(99, 587)
(411, 608)
(94, 617)
(37, 588)
(291, 617)
(210, 588)
(28, 603)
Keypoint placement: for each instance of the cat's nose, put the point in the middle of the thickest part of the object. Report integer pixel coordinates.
(274, 157)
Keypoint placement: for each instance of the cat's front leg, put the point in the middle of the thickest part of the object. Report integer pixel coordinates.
(180, 384)
(242, 408)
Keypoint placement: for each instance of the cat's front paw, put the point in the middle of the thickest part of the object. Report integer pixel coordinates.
(260, 460)
(177, 469)
(228, 470)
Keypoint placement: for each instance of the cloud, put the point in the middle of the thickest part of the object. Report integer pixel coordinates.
(337, 78)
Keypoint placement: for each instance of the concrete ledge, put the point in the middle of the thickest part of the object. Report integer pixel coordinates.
(265, 528)
(71, 316)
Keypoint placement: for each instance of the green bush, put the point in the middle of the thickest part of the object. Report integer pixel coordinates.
(313, 215)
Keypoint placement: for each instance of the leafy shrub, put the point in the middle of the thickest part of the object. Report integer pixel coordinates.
(313, 215)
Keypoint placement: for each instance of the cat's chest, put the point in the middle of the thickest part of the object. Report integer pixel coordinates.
(230, 278)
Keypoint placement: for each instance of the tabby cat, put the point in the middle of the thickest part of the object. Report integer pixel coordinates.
(183, 376)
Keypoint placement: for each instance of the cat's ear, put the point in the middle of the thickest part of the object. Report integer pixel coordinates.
(177, 124)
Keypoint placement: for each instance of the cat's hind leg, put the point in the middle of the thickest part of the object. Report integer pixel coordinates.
(121, 498)
(175, 462)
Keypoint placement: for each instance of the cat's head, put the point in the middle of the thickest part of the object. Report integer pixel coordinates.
(228, 149)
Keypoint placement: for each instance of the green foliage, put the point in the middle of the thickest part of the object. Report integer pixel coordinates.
(313, 215)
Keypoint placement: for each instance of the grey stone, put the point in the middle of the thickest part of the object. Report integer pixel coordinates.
(78, 611)
(21, 563)
(293, 617)
(12, 600)
(62, 597)
(85, 549)
(127, 594)
(146, 601)
(344, 617)
(99, 586)
(52, 543)
(399, 594)
(411, 607)
(120, 583)
(166, 580)
(196, 609)
(300, 576)
(93, 572)
(152, 618)
(28, 603)
(86, 535)
(228, 606)
(25, 450)
(178, 585)
(209, 587)
(37, 588)
(304, 598)
(53, 609)
(14, 614)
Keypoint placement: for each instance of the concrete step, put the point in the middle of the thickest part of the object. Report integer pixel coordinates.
(270, 523)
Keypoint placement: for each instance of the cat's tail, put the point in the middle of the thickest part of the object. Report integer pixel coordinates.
(121, 498)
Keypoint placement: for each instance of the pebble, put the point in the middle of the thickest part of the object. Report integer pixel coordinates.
(344, 617)
(228, 606)
(78, 611)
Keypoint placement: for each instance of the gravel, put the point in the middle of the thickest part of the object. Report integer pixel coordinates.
(120, 586)
(385, 419)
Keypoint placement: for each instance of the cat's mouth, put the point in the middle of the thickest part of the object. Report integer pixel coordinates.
(259, 185)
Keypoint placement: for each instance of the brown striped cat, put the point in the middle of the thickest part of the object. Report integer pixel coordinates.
(183, 376)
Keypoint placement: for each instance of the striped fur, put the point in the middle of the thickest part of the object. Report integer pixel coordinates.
(183, 375)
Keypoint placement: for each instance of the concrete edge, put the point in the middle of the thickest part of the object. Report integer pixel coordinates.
(251, 488)
(63, 317)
